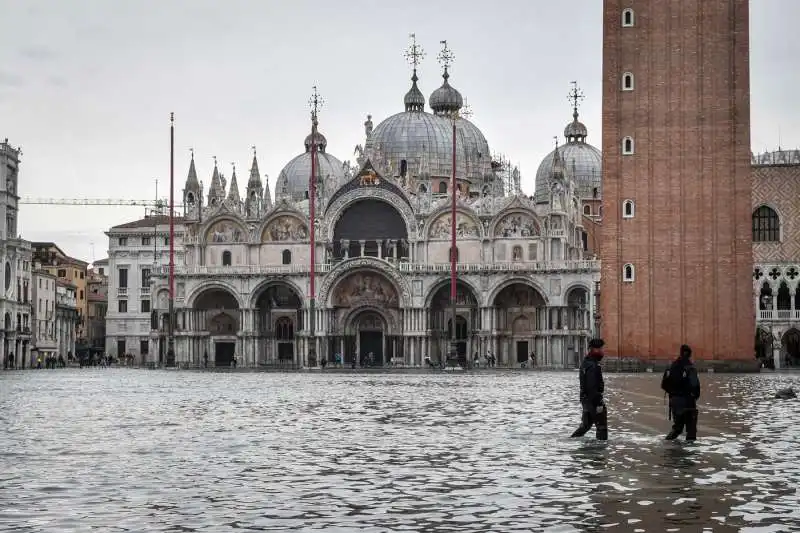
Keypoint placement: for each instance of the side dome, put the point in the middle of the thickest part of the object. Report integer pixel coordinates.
(293, 180)
(583, 162)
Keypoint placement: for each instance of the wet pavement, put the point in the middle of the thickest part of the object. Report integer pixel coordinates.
(136, 450)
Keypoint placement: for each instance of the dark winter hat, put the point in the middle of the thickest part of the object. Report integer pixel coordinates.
(686, 351)
(596, 343)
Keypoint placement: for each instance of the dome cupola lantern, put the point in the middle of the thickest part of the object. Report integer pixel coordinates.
(414, 99)
(446, 100)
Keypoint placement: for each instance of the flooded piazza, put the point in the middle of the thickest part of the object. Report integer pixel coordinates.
(136, 450)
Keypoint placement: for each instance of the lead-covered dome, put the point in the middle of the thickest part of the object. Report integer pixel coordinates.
(583, 163)
(422, 143)
(293, 180)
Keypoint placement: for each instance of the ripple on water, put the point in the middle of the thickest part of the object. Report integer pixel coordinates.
(120, 450)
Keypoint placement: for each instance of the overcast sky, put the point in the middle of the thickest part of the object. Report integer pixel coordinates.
(86, 87)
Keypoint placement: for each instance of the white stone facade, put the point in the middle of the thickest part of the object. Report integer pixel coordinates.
(524, 286)
(67, 316)
(134, 249)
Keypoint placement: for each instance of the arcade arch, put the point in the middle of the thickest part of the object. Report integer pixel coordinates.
(278, 319)
(373, 228)
(791, 348)
(519, 312)
(217, 312)
(440, 321)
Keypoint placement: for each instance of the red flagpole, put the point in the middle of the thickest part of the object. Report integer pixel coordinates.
(171, 318)
(312, 193)
(453, 252)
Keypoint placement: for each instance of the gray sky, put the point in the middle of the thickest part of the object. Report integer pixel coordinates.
(86, 87)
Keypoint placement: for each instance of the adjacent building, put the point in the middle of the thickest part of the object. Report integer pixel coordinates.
(67, 318)
(135, 249)
(97, 306)
(69, 271)
(44, 315)
(15, 256)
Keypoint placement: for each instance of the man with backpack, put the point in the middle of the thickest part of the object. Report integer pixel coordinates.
(593, 407)
(680, 381)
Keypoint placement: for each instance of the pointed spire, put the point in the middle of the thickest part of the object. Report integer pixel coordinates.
(267, 195)
(255, 176)
(216, 193)
(233, 194)
(192, 183)
(558, 163)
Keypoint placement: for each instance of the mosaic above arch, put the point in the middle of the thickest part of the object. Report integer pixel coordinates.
(515, 225)
(466, 226)
(225, 231)
(360, 288)
(285, 228)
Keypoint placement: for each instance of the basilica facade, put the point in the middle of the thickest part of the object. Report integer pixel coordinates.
(525, 282)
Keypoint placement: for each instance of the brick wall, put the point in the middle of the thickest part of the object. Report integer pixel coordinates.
(690, 238)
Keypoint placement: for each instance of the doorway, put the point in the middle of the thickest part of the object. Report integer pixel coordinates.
(371, 341)
(522, 351)
(223, 353)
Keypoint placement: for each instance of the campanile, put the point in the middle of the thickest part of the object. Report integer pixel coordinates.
(676, 244)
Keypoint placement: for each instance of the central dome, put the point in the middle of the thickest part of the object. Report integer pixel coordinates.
(422, 143)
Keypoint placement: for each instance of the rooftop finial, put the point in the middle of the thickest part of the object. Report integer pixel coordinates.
(445, 57)
(191, 151)
(234, 168)
(315, 103)
(414, 54)
(254, 150)
(575, 96)
(215, 160)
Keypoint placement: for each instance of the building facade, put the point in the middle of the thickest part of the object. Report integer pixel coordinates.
(676, 245)
(15, 256)
(67, 318)
(97, 305)
(135, 249)
(383, 248)
(44, 315)
(69, 271)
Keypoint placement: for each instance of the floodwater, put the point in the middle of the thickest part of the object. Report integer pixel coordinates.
(136, 450)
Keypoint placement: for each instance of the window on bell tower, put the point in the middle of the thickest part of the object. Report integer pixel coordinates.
(627, 18)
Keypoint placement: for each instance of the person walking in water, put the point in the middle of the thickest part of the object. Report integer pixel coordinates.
(680, 381)
(592, 387)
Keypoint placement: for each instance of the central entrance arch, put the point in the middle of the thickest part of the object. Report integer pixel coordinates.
(366, 313)
(384, 235)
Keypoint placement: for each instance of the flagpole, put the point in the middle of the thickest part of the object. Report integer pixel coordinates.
(171, 318)
(315, 103)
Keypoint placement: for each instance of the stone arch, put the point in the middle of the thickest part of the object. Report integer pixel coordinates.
(336, 208)
(261, 288)
(364, 287)
(515, 223)
(790, 344)
(468, 225)
(347, 320)
(370, 227)
(576, 287)
(445, 282)
(218, 285)
(283, 226)
(495, 291)
(372, 264)
(225, 229)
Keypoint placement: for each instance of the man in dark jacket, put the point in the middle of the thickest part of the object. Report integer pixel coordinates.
(680, 381)
(592, 388)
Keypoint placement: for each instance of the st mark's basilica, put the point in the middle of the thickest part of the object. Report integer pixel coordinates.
(526, 283)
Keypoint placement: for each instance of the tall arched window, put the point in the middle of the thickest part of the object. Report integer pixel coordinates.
(766, 225)
(287, 257)
(628, 273)
(627, 18)
(628, 209)
(226, 258)
(587, 210)
(627, 146)
(442, 187)
(627, 81)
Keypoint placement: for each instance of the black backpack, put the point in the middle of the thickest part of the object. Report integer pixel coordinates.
(675, 378)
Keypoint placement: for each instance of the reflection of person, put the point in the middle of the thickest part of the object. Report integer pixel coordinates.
(592, 387)
(680, 381)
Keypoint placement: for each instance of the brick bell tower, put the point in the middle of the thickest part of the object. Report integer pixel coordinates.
(676, 244)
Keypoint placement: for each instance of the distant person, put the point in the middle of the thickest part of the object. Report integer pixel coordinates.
(592, 387)
(205, 360)
(680, 381)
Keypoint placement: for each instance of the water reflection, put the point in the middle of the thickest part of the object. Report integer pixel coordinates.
(123, 450)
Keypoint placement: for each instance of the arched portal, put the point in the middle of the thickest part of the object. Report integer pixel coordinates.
(278, 320)
(366, 307)
(221, 317)
(764, 348)
(518, 309)
(791, 347)
(373, 228)
(440, 322)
